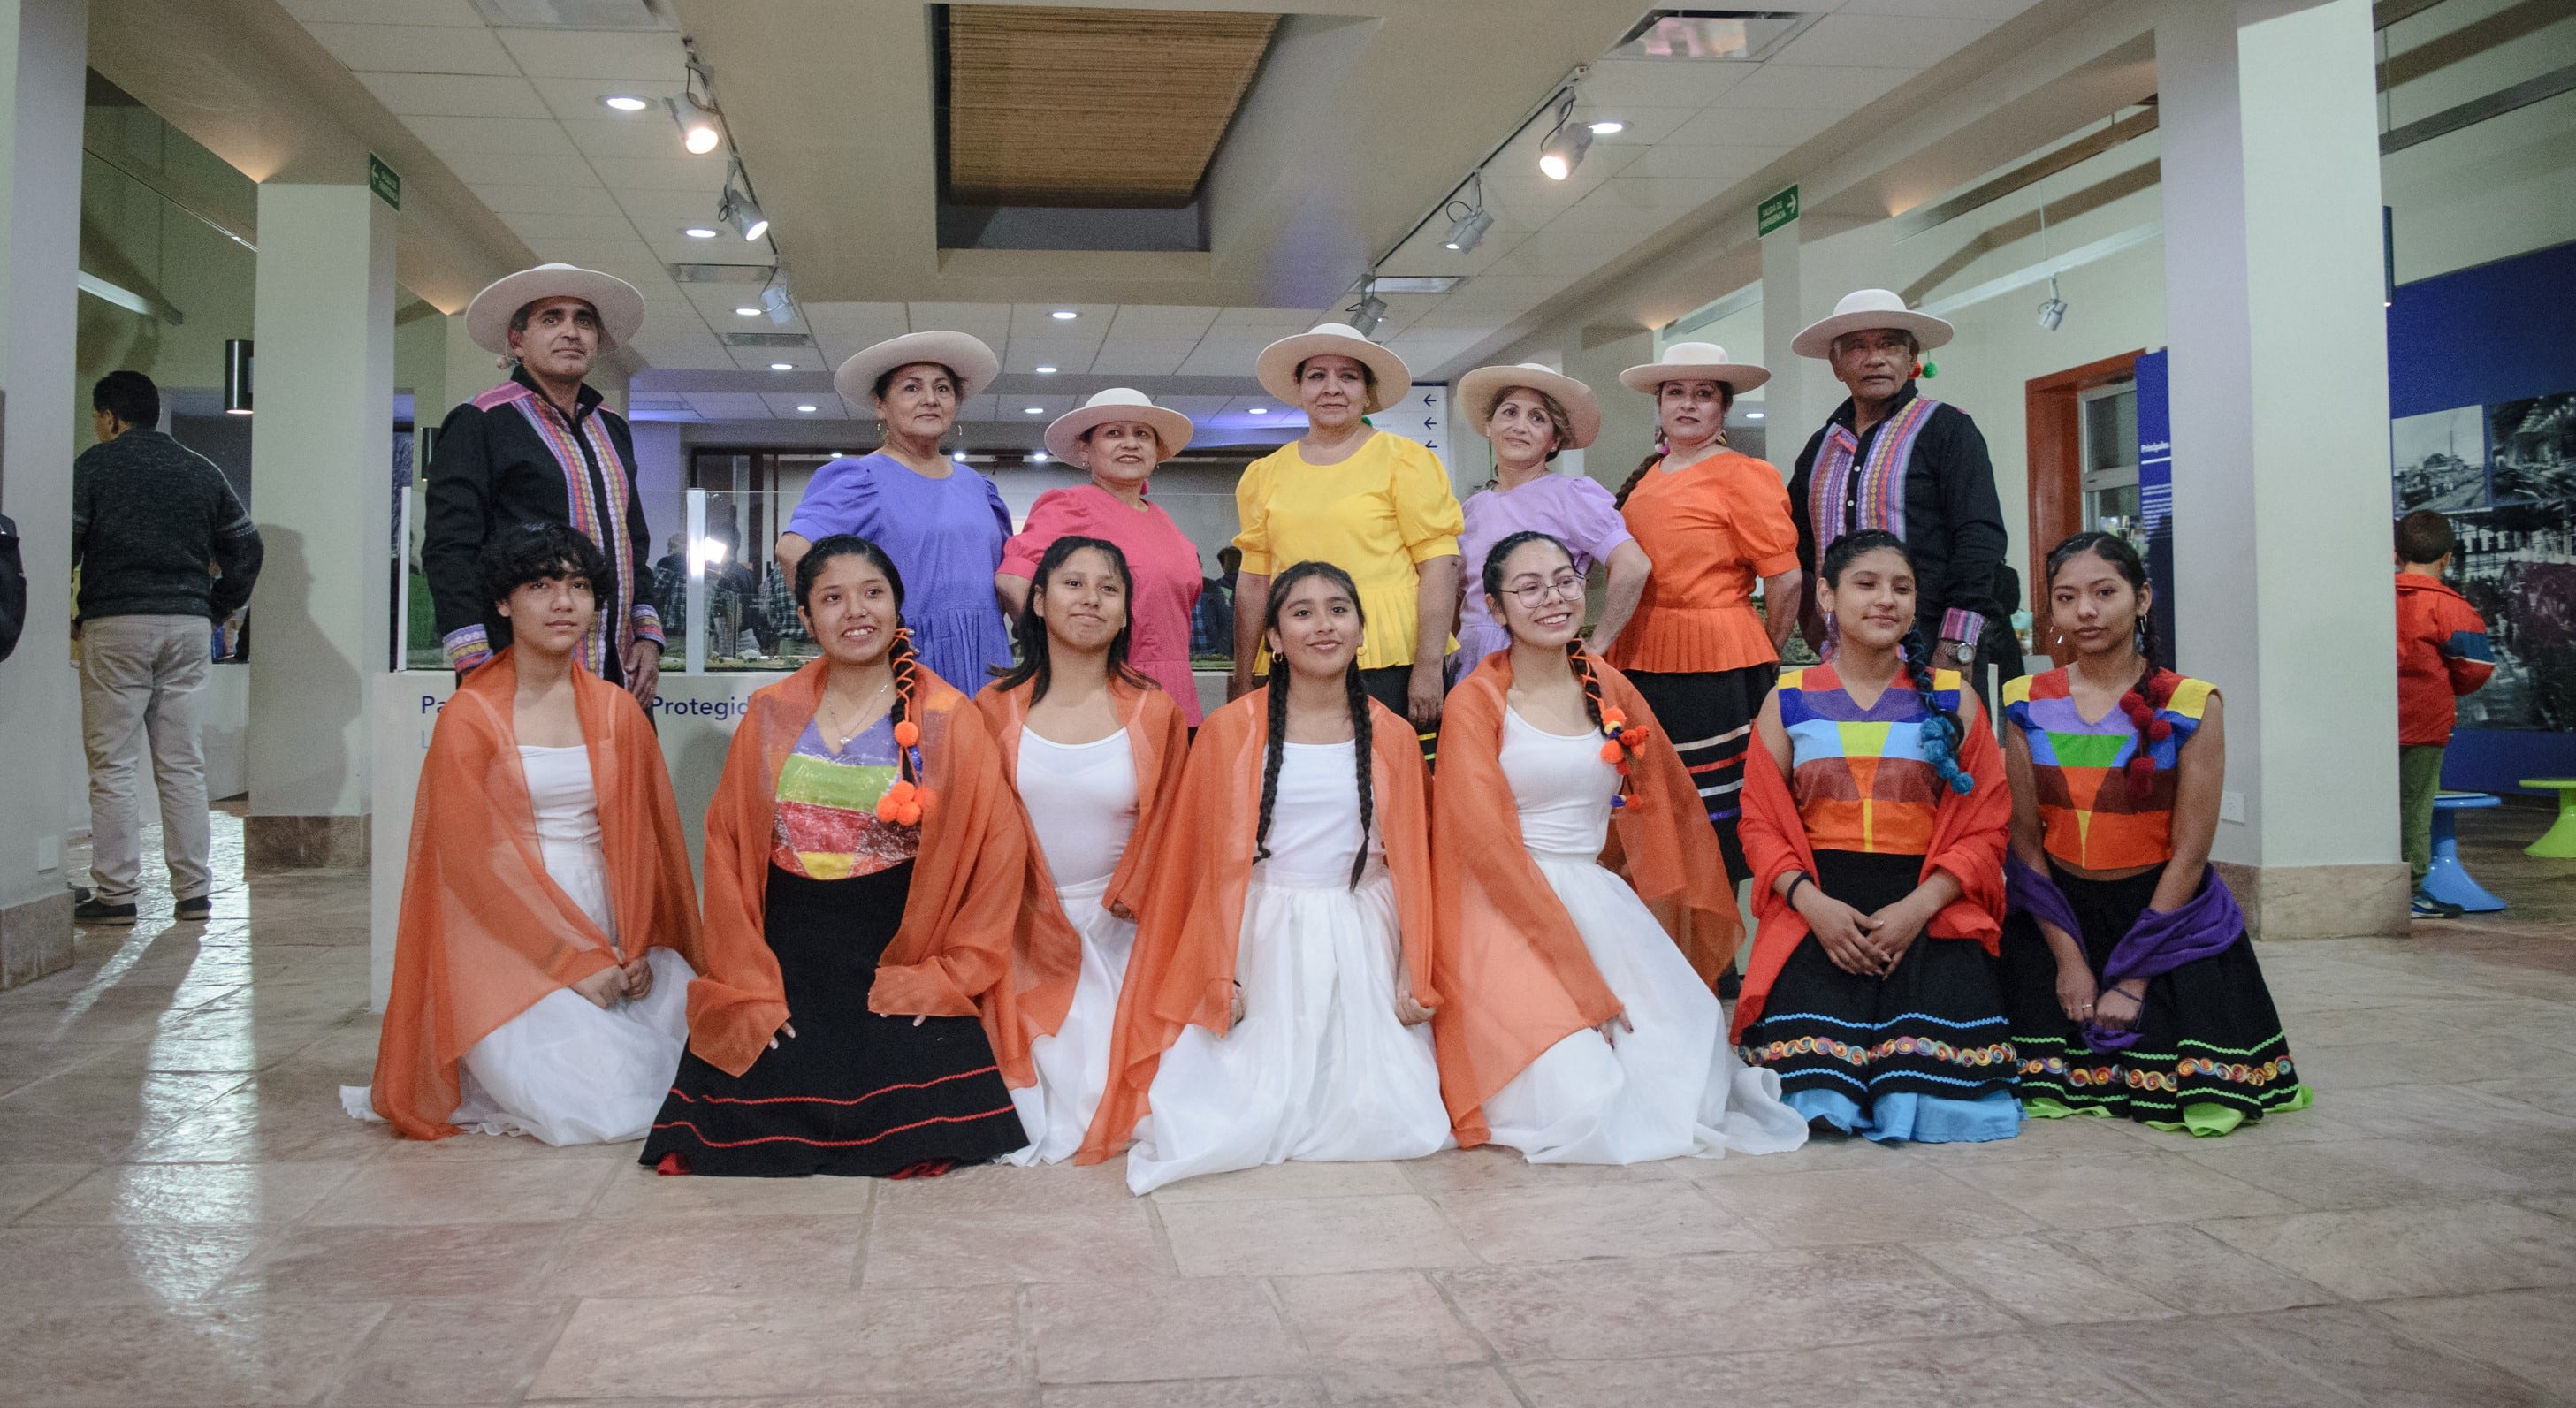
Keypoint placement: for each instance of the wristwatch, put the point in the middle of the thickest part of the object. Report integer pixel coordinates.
(1966, 650)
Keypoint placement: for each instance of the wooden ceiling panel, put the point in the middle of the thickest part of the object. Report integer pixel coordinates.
(1081, 107)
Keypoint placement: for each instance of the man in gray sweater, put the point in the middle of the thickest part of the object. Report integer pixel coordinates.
(165, 553)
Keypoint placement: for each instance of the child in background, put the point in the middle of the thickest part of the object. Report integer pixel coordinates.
(2441, 654)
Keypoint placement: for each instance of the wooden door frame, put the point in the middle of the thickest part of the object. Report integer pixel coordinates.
(2054, 450)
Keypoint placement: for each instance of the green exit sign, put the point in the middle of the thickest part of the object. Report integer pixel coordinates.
(1775, 211)
(384, 181)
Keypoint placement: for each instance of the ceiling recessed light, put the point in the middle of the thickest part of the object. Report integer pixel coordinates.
(1035, 410)
(1607, 126)
(809, 410)
(1046, 371)
(1037, 457)
(1753, 415)
(1261, 410)
(960, 457)
(746, 312)
(1064, 315)
(782, 366)
(624, 103)
(698, 232)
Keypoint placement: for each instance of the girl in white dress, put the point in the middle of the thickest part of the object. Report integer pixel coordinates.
(1276, 1003)
(1094, 751)
(549, 923)
(1578, 1028)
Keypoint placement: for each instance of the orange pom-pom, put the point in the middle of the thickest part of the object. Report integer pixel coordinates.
(1611, 752)
(1635, 737)
(1623, 769)
(1612, 720)
(907, 734)
(909, 816)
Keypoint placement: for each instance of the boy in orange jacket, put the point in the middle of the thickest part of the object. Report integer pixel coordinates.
(2441, 654)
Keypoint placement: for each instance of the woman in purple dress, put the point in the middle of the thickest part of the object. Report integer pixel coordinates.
(942, 523)
(1529, 413)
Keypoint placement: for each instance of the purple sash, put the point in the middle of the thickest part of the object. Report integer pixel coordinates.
(2204, 926)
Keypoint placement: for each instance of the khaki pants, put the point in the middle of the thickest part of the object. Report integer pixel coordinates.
(144, 677)
(2419, 782)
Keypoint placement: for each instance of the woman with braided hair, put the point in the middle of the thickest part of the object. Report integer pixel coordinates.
(1875, 814)
(860, 1009)
(1277, 993)
(1575, 1026)
(2132, 987)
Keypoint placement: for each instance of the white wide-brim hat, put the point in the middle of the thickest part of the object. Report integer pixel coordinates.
(619, 305)
(1277, 365)
(1694, 361)
(1064, 433)
(1870, 308)
(963, 354)
(1481, 390)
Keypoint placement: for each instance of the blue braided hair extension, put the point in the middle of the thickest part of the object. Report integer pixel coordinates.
(1942, 730)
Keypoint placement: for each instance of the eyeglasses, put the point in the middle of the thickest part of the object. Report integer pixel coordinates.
(1568, 587)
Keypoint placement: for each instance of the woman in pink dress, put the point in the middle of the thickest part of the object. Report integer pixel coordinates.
(1120, 435)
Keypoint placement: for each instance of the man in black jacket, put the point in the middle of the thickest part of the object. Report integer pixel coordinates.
(165, 552)
(540, 448)
(1893, 459)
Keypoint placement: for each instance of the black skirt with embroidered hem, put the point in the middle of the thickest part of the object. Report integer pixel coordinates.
(853, 1092)
(1708, 718)
(2210, 1053)
(1923, 1053)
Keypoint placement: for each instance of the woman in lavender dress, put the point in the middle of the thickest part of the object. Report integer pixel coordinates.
(1529, 413)
(942, 523)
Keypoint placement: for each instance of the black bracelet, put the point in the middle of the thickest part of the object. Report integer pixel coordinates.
(1790, 895)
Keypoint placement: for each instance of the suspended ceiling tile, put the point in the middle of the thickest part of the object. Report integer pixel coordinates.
(1029, 354)
(798, 359)
(1758, 127)
(729, 405)
(415, 48)
(1142, 357)
(540, 230)
(578, 99)
(676, 210)
(492, 136)
(455, 13)
(1202, 407)
(1997, 10)
(646, 134)
(678, 173)
(1812, 86)
(1039, 320)
(480, 169)
(986, 407)
(457, 95)
(592, 53)
(1644, 125)
(682, 348)
(1214, 359)
(1732, 162)
(1880, 41)
(1049, 407)
(552, 198)
(989, 321)
(1288, 320)
(783, 404)
(844, 328)
(1658, 82)
(1160, 320)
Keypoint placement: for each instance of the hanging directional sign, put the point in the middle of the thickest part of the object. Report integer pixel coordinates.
(1424, 415)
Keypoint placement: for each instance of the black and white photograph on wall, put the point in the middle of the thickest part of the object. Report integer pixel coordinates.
(2533, 450)
(2516, 563)
(2440, 459)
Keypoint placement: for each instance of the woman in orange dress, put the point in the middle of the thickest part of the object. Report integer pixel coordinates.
(1714, 522)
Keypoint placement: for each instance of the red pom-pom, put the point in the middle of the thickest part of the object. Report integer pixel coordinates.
(1634, 737)
(1611, 752)
(1623, 769)
(2141, 771)
(907, 734)
(2160, 730)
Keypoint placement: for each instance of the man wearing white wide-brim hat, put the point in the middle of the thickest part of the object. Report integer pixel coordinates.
(1894, 459)
(540, 448)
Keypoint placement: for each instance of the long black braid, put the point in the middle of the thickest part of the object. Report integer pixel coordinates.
(1275, 686)
(1663, 447)
(901, 659)
(2155, 687)
(1943, 730)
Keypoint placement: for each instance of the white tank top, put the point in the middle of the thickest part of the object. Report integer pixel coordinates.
(567, 814)
(1561, 786)
(1315, 818)
(1082, 802)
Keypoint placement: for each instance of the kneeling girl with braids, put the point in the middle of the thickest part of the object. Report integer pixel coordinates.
(1875, 817)
(1276, 999)
(1574, 1026)
(859, 1009)
(1094, 751)
(2133, 987)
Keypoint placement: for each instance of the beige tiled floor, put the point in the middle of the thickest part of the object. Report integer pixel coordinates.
(186, 1217)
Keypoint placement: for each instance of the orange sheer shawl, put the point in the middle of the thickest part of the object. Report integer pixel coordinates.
(1181, 971)
(1047, 952)
(1968, 838)
(1516, 972)
(952, 954)
(485, 933)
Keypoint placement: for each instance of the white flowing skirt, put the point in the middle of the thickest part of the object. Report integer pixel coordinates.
(566, 1072)
(1671, 1087)
(1319, 1067)
(1073, 1064)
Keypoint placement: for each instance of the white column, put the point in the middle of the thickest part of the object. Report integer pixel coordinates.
(471, 371)
(43, 52)
(1786, 416)
(2280, 435)
(322, 470)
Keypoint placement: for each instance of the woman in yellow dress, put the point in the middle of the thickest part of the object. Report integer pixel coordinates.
(1374, 504)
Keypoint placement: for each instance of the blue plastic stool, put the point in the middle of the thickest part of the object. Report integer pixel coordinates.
(2448, 880)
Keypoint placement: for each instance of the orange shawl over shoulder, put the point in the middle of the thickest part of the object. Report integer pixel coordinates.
(951, 956)
(1047, 952)
(1968, 838)
(485, 933)
(1516, 972)
(1181, 971)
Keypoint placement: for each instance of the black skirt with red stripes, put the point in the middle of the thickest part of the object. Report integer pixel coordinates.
(852, 1093)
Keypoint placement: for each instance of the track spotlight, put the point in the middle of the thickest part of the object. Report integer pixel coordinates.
(699, 133)
(1566, 143)
(743, 213)
(778, 303)
(1370, 310)
(2052, 309)
(1471, 224)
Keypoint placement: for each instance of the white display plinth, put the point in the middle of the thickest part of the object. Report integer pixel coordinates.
(695, 717)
